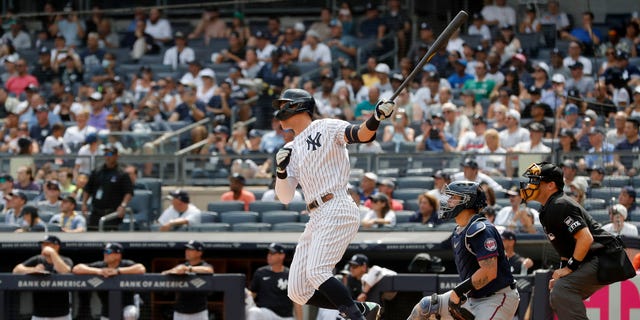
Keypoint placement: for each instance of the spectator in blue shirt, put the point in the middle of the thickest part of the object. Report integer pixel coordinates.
(587, 35)
(372, 23)
(601, 153)
(427, 212)
(191, 109)
(630, 143)
(458, 79)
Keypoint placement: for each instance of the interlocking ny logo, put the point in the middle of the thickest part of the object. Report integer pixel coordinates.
(314, 142)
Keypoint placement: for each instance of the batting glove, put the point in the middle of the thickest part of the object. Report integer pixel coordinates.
(282, 161)
(384, 109)
(458, 312)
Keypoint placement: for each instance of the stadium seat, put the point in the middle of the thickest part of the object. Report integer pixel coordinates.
(423, 172)
(155, 185)
(601, 216)
(250, 226)
(233, 217)
(208, 227)
(52, 227)
(448, 226)
(408, 194)
(224, 206)
(279, 216)
(257, 192)
(263, 206)
(615, 181)
(411, 205)
(289, 226)
(31, 195)
(297, 206)
(141, 206)
(505, 182)
(403, 216)
(595, 204)
(415, 226)
(208, 217)
(407, 147)
(530, 43)
(4, 227)
(604, 193)
(471, 40)
(45, 216)
(304, 217)
(415, 182)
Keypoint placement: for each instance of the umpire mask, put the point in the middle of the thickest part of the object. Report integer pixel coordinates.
(537, 173)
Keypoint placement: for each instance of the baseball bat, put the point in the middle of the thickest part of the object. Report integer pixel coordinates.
(440, 42)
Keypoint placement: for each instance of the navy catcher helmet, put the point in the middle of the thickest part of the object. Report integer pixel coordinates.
(298, 101)
(458, 196)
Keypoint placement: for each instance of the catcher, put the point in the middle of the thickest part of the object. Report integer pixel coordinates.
(486, 289)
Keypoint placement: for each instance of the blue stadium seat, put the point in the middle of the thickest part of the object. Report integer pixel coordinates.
(5, 227)
(595, 204)
(304, 218)
(224, 206)
(289, 226)
(262, 206)
(233, 217)
(601, 216)
(209, 227)
(279, 216)
(604, 193)
(408, 194)
(155, 185)
(415, 226)
(250, 226)
(209, 217)
(411, 205)
(616, 181)
(471, 40)
(415, 182)
(141, 206)
(403, 216)
(297, 206)
(52, 227)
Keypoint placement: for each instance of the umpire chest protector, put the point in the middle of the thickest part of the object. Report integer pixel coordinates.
(480, 240)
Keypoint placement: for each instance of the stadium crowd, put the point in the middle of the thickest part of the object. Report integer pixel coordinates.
(76, 85)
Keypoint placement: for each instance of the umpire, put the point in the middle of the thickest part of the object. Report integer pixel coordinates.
(573, 233)
(110, 190)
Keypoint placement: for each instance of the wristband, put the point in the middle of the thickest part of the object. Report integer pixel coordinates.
(463, 287)
(573, 264)
(118, 270)
(372, 123)
(190, 268)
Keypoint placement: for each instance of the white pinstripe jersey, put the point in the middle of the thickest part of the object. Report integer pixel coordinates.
(319, 158)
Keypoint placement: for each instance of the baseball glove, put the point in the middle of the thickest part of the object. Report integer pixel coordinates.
(458, 312)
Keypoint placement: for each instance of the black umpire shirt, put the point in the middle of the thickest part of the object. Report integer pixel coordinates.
(107, 187)
(191, 302)
(127, 296)
(271, 291)
(49, 303)
(562, 217)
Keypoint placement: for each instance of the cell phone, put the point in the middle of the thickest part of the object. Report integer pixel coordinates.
(434, 133)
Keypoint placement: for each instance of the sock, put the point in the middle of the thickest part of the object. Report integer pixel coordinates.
(320, 300)
(337, 293)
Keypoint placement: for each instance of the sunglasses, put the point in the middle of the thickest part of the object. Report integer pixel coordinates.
(109, 154)
(108, 251)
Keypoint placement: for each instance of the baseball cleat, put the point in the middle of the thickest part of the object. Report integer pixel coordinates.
(371, 311)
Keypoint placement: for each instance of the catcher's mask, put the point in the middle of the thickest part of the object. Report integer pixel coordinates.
(458, 196)
(536, 173)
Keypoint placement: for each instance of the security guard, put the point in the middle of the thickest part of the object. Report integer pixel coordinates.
(571, 231)
(110, 190)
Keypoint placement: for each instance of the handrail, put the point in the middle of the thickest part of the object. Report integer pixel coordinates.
(190, 148)
(172, 134)
(113, 216)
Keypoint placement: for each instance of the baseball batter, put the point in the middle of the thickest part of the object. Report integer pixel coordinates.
(485, 274)
(318, 160)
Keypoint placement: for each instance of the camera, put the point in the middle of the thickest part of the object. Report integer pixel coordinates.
(434, 134)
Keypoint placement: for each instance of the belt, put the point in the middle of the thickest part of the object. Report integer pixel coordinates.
(512, 286)
(314, 204)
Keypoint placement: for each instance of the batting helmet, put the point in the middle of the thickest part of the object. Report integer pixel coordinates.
(298, 101)
(470, 196)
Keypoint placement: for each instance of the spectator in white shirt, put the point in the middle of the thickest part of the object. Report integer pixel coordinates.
(492, 162)
(16, 36)
(513, 134)
(499, 13)
(180, 54)
(555, 16)
(534, 145)
(158, 28)
(470, 172)
(314, 50)
(75, 136)
(264, 47)
(181, 212)
(574, 55)
(479, 28)
(618, 226)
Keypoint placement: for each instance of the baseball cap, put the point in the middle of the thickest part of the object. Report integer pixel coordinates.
(478, 16)
(16, 193)
(508, 235)
(630, 191)
(254, 133)
(69, 199)
(514, 114)
(313, 33)
(448, 106)
(470, 163)
(534, 90)
(571, 109)
(112, 247)
(221, 129)
(359, 259)
(238, 177)
(179, 34)
(51, 239)
(557, 51)
(637, 90)
(521, 57)
(42, 108)
(371, 176)
(506, 26)
(597, 169)
(478, 119)
(371, 6)
(621, 55)
(180, 195)
(619, 209)
(44, 50)
(260, 35)
(558, 78)
(462, 62)
(595, 130)
(397, 77)
(335, 23)
(379, 197)
(382, 68)
(194, 245)
(543, 66)
(91, 138)
(576, 65)
(591, 114)
(549, 172)
(110, 150)
(425, 26)
(387, 182)
(441, 175)
(580, 184)
(5, 177)
(513, 191)
(96, 96)
(53, 184)
(208, 73)
(276, 248)
(573, 93)
(569, 164)
(536, 127)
